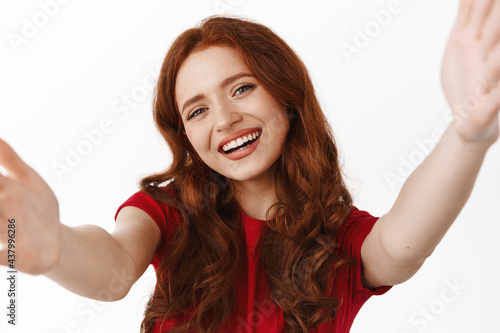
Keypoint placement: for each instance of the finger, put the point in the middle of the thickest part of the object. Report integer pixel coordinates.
(7, 185)
(3, 257)
(3, 231)
(3, 239)
(464, 11)
(491, 104)
(491, 27)
(479, 13)
(16, 168)
(493, 64)
(9, 191)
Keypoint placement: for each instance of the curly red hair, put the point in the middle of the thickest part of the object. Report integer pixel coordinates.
(203, 259)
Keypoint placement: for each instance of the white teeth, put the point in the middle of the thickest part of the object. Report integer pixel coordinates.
(240, 141)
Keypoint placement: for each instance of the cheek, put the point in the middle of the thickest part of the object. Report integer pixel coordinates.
(279, 125)
(198, 141)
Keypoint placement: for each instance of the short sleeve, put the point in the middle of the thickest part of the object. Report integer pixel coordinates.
(152, 207)
(146, 203)
(351, 237)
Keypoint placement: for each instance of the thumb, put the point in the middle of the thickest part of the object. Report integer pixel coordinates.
(16, 168)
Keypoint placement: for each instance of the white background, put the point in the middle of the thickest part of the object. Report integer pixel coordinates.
(75, 68)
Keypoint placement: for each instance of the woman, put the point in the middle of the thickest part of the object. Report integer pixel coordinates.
(268, 231)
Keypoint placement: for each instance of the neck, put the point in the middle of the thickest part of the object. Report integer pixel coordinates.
(255, 196)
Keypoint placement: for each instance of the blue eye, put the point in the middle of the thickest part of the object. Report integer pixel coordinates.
(238, 91)
(194, 114)
(244, 88)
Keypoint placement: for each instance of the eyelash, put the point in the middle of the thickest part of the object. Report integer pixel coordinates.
(248, 86)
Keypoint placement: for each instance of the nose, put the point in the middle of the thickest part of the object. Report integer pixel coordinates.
(226, 115)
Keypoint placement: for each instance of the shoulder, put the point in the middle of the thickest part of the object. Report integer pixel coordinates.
(354, 230)
(151, 202)
(350, 240)
(356, 226)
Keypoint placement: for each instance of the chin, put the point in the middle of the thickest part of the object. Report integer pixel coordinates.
(246, 176)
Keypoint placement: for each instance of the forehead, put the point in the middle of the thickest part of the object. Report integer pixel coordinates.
(204, 70)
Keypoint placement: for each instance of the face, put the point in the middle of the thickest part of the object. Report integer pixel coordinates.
(236, 127)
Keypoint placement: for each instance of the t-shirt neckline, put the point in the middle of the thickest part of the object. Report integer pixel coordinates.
(251, 219)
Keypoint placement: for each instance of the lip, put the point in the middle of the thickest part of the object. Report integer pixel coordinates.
(236, 135)
(244, 152)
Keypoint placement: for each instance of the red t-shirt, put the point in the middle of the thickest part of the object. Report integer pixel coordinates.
(256, 314)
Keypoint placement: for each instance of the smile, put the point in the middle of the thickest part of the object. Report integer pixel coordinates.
(242, 146)
(240, 143)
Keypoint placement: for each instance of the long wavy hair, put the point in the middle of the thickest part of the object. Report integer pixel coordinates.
(202, 262)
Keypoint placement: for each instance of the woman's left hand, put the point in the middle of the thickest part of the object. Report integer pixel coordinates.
(470, 71)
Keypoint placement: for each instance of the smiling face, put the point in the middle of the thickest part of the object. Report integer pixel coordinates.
(223, 106)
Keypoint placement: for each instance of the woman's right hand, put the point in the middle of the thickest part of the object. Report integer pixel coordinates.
(29, 217)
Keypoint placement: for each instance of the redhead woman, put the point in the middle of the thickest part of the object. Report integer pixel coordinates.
(253, 215)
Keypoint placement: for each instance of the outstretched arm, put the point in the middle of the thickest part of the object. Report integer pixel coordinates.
(86, 260)
(434, 194)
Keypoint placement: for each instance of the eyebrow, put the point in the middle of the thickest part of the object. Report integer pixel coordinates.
(224, 83)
